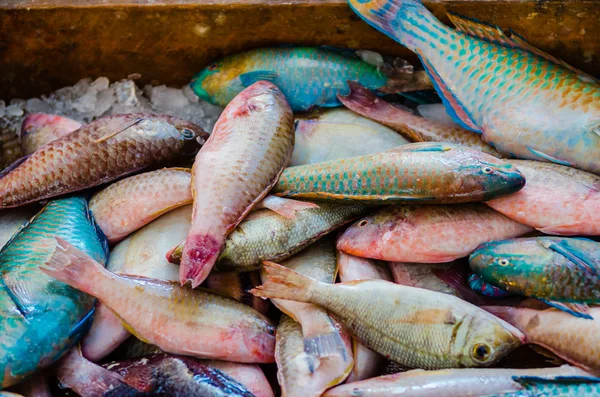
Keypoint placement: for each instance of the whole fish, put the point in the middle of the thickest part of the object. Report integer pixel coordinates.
(367, 363)
(406, 233)
(11, 221)
(327, 348)
(133, 202)
(523, 101)
(340, 133)
(308, 77)
(298, 372)
(573, 339)
(99, 152)
(556, 199)
(427, 172)
(436, 112)
(254, 137)
(39, 129)
(413, 127)
(472, 382)
(40, 318)
(176, 319)
(562, 272)
(570, 386)
(415, 327)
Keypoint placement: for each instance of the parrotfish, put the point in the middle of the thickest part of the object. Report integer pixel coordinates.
(406, 233)
(98, 152)
(39, 129)
(426, 172)
(40, 317)
(415, 327)
(556, 199)
(308, 77)
(567, 386)
(176, 319)
(563, 272)
(340, 133)
(250, 145)
(486, 289)
(413, 127)
(522, 100)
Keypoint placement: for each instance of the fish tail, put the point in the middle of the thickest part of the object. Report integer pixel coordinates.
(363, 101)
(199, 255)
(283, 283)
(71, 266)
(174, 254)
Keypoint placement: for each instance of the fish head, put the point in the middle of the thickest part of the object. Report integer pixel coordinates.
(219, 82)
(259, 339)
(508, 264)
(208, 82)
(488, 340)
(189, 131)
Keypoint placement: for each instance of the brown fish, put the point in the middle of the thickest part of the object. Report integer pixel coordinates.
(98, 152)
(250, 145)
(39, 129)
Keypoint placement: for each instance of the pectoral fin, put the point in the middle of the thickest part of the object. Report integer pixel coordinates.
(581, 310)
(574, 256)
(247, 79)
(110, 133)
(549, 158)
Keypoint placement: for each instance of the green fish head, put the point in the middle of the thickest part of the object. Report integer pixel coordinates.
(203, 83)
(497, 177)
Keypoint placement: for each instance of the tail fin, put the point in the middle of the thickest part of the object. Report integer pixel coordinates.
(71, 266)
(284, 283)
(364, 102)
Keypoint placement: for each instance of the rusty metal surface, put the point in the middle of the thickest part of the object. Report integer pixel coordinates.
(45, 44)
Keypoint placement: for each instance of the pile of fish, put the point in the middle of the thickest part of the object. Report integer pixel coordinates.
(167, 261)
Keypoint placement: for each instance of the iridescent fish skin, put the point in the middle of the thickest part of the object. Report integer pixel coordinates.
(522, 100)
(40, 318)
(176, 319)
(569, 386)
(250, 145)
(550, 268)
(308, 77)
(486, 289)
(405, 233)
(556, 199)
(340, 133)
(133, 202)
(413, 127)
(574, 339)
(427, 172)
(39, 129)
(99, 152)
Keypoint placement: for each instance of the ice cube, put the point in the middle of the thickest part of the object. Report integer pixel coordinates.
(18, 103)
(101, 83)
(104, 101)
(2, 107)
(125, 93)
(14, 110)
(167, 98)
(36, 105)
(190, 94)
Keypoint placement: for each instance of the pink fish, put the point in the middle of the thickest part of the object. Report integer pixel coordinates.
(250, 145)
(39, 129)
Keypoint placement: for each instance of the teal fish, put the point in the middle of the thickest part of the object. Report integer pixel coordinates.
(40, 318)
(525, 102)
(560, 386)
(563, 272)
(308, 77)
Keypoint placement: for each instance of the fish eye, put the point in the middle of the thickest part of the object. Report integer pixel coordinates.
(363, 223)
(187, 133)
(212, 66)
(481, 352)
(503, 262)
(487, 170)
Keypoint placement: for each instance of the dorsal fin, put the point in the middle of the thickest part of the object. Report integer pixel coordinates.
(109, 133)
(494, 34)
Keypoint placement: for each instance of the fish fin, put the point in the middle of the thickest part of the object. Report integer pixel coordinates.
(286, 207)
(486, 289)
(14, 165)
(344, 197)
(247, 79)
(563, 230)
(429, 147)
(112, 132)
(594, 127)
(457, 280)
(574, 256)
(552, 358)
(284, 283)
(327, 345)
(174, 254)
(532, 380)
(581, 310)
(83, 326)
(455, 109)
(549, 158)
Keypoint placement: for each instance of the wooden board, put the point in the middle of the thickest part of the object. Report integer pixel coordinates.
(45, 45)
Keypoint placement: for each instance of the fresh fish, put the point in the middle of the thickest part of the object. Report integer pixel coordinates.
(413, 127)
(436, 112)
(367, 363)
(415, 327)
(254, 138)
(406, 233)
(569, 386)
(340, 133)
(563, 272)
(486, 289)
(556, 199)
(176, 319)
(299, 373)
(40, 318)
(11, 221)
(327, 348)
(238, 286)
(523, 101)
(133, 202)
(39, 129)
(472, 382)
(308, 77)
(427, 172)
(576, 340)
(99, 152)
